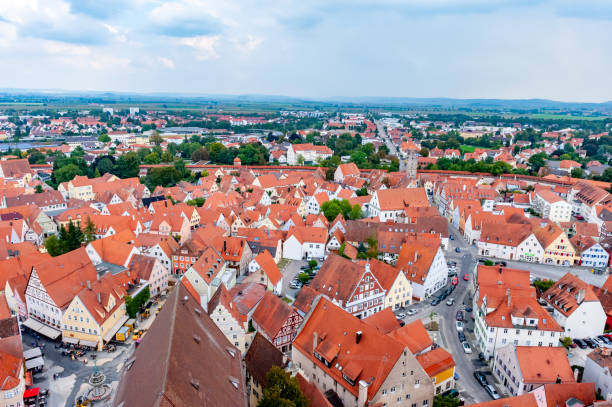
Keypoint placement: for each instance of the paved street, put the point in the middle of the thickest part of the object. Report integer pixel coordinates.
(542, 271)
(291, 271)
(392, 148)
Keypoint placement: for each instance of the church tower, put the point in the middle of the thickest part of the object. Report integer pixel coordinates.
(411, 163)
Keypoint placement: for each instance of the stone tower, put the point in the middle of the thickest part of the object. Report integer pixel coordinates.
(411, 163)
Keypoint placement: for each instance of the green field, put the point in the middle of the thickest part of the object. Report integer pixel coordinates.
(552, 116)
(466, 149)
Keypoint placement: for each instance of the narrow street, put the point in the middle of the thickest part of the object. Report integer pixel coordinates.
(392, 148)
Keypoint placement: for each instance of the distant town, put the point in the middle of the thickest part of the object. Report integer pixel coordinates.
(275, 253)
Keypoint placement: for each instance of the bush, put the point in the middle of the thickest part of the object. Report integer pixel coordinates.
(132, 305)
(304, 277)
(567, 342)
(488, 263)
(312, 264)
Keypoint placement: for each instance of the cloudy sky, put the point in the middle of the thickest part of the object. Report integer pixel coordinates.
(557, 49)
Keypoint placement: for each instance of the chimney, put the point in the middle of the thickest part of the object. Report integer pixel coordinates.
(358, 335)
(99, 297)
(509, 296)
(315, 340)
(88, 285)
(363, 393)
(224, 245)
(580, 295)
(367, 267)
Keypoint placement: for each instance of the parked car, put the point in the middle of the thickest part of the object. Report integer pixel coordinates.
(458, 249)
(401, 315)
(451, 237)
(461, 336)
(411, 312)
(466, 277)
(435, 301)
(482, 260)
(480, 378)
(481, 356)
(492, 392)
(459, 315)
(605, 339)
(466, 347)
(401, 323)
(501, 263)
(581, 344)
(459, 325)
(450, 301)
(597, 341)
(590, 343)
(455, 280)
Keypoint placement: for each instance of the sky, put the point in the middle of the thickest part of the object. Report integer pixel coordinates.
(510, 49)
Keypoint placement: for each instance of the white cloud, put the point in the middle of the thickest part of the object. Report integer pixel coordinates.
(204, 46)
(167, 62)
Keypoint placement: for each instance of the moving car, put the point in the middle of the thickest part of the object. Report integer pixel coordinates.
(466, 277)
(492, 392)
(480, 378)
(466, 347)
(458, 249)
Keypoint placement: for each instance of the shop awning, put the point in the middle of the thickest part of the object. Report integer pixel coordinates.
(31, 393)
(67, 339)
(42, 329)
(34, 363)
(111, 332)
(91, 344)
(32, 353)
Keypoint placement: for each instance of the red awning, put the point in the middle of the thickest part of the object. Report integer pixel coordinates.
(31, 393)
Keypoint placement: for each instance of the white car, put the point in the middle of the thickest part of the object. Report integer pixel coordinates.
(401, 315)
(450, 301)
(411, 312)
(459, 326)
(466, 347)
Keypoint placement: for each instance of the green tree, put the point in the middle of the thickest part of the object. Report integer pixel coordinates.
(282, 390)
(424, 152)
(66, 173)
(577, 173)
(200, 154)
(53, 246)
(537, 161)
(90, 231)
(104, 138)
(543, 285)
(132, 305)
(152, 158)
(156, 139)
(166, 157)
(38, 189)
(74, 237)
(36, 157)
(446, 400)
(355, 212)
(128, 165)
(105, 165)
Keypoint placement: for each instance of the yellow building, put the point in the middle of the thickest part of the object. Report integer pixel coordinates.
(557, 247)
(398, 289)
(95, 314)
(440, 367)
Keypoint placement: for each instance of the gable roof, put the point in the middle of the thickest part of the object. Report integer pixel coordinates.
(185, 355)
(539, 364)
(261, 356)
(271, 314)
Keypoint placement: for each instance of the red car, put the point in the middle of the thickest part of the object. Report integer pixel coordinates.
(455, 281)
(466, 277)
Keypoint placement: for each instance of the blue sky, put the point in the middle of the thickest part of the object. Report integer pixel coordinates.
(556, 49)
